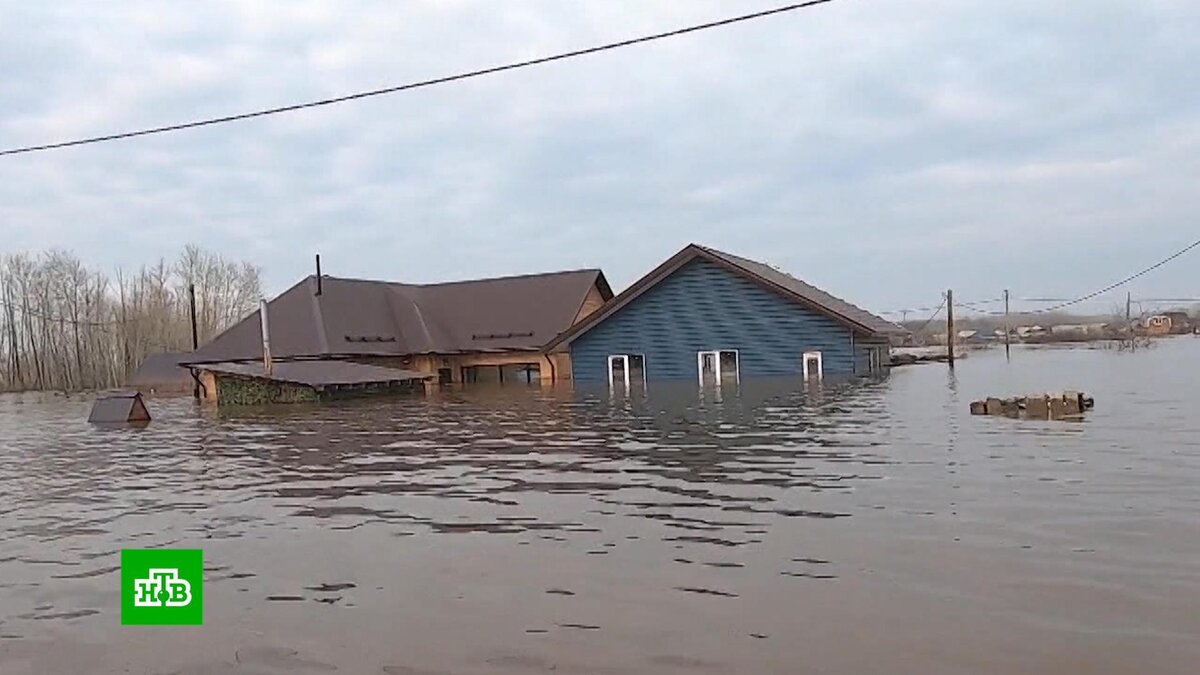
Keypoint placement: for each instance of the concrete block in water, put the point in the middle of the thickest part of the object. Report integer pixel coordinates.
(1037, 407)
(1074, 402)
(995, 406)
(1058, 408)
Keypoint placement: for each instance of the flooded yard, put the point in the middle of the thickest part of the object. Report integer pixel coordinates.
(857, 528)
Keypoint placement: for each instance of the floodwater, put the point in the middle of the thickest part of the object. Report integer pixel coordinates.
(858, 528)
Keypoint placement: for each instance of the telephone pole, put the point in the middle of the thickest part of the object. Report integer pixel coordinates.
(1129, 320)
(195, 335)
(950, 327)
(1006, 327)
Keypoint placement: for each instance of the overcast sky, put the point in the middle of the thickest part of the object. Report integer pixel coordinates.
(882, 149)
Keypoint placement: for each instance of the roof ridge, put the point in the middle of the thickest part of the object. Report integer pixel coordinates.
(784, 272)
(462, 281)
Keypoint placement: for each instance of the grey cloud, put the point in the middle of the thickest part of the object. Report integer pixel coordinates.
(886, 150)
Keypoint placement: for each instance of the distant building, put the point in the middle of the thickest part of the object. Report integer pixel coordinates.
(1159, 324)
(966, 337)
(1079, 331)
(1180, 322)
(714, 317)
(1168, 323)
(1028, 332)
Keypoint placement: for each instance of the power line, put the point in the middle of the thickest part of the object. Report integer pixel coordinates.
(1061, 303)
(1120, 283)
(931, 317)
(417, 85)
(1075, 301)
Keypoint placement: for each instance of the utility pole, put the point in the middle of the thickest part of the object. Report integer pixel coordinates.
(1006, 327)
(195, 335)
(1129, 319)
(950, 327)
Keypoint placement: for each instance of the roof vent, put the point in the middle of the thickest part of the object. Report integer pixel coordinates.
(500, 336)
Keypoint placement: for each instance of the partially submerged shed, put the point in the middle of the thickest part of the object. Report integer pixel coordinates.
(119, 407)
(304, 381)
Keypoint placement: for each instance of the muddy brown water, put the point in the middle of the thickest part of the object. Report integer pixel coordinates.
(857, 528)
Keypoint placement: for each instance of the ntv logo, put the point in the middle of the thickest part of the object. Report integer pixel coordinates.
(163, 588)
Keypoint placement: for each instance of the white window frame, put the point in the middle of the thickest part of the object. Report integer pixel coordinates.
(716, 354)
(624, 358)
(613, 358)
(820, 375)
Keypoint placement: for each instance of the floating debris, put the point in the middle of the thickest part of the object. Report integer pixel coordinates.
(1066, 405)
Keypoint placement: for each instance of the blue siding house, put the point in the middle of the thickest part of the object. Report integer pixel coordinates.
(718, 318)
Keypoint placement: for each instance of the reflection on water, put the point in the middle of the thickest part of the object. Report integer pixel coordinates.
(856, 527)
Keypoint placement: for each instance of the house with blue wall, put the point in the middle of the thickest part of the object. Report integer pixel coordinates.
(718, 318)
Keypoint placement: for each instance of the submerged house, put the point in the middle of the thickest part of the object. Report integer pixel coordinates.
(487, 330)
(714, 317)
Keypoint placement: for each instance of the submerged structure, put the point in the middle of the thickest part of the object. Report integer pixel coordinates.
(487, 330)
(703, 314)
(119, 407)
(717, 318)
(307, 381)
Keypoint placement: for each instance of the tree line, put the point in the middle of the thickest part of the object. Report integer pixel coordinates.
(64, 326)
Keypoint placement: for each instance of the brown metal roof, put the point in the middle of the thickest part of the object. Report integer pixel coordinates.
(317, 373)
(162, 372)
(855, 317)
(356, 317)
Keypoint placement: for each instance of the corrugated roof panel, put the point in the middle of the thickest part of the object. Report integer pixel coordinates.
(408, 319)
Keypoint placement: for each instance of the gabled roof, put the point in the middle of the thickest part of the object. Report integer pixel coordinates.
(856, 318)
(358, 317)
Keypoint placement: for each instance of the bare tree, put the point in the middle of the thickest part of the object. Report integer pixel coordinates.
(63, 326)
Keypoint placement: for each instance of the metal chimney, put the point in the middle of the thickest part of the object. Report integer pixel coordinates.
(266, 334)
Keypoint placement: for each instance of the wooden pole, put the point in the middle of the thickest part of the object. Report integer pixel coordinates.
(950, 327)
(266, 336)
(318, 274)
(1006, 327)
(195, 334)
(1129, 319)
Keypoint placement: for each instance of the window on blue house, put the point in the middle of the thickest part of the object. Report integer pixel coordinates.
(813, 367)
(718, 367)
(626, 371)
